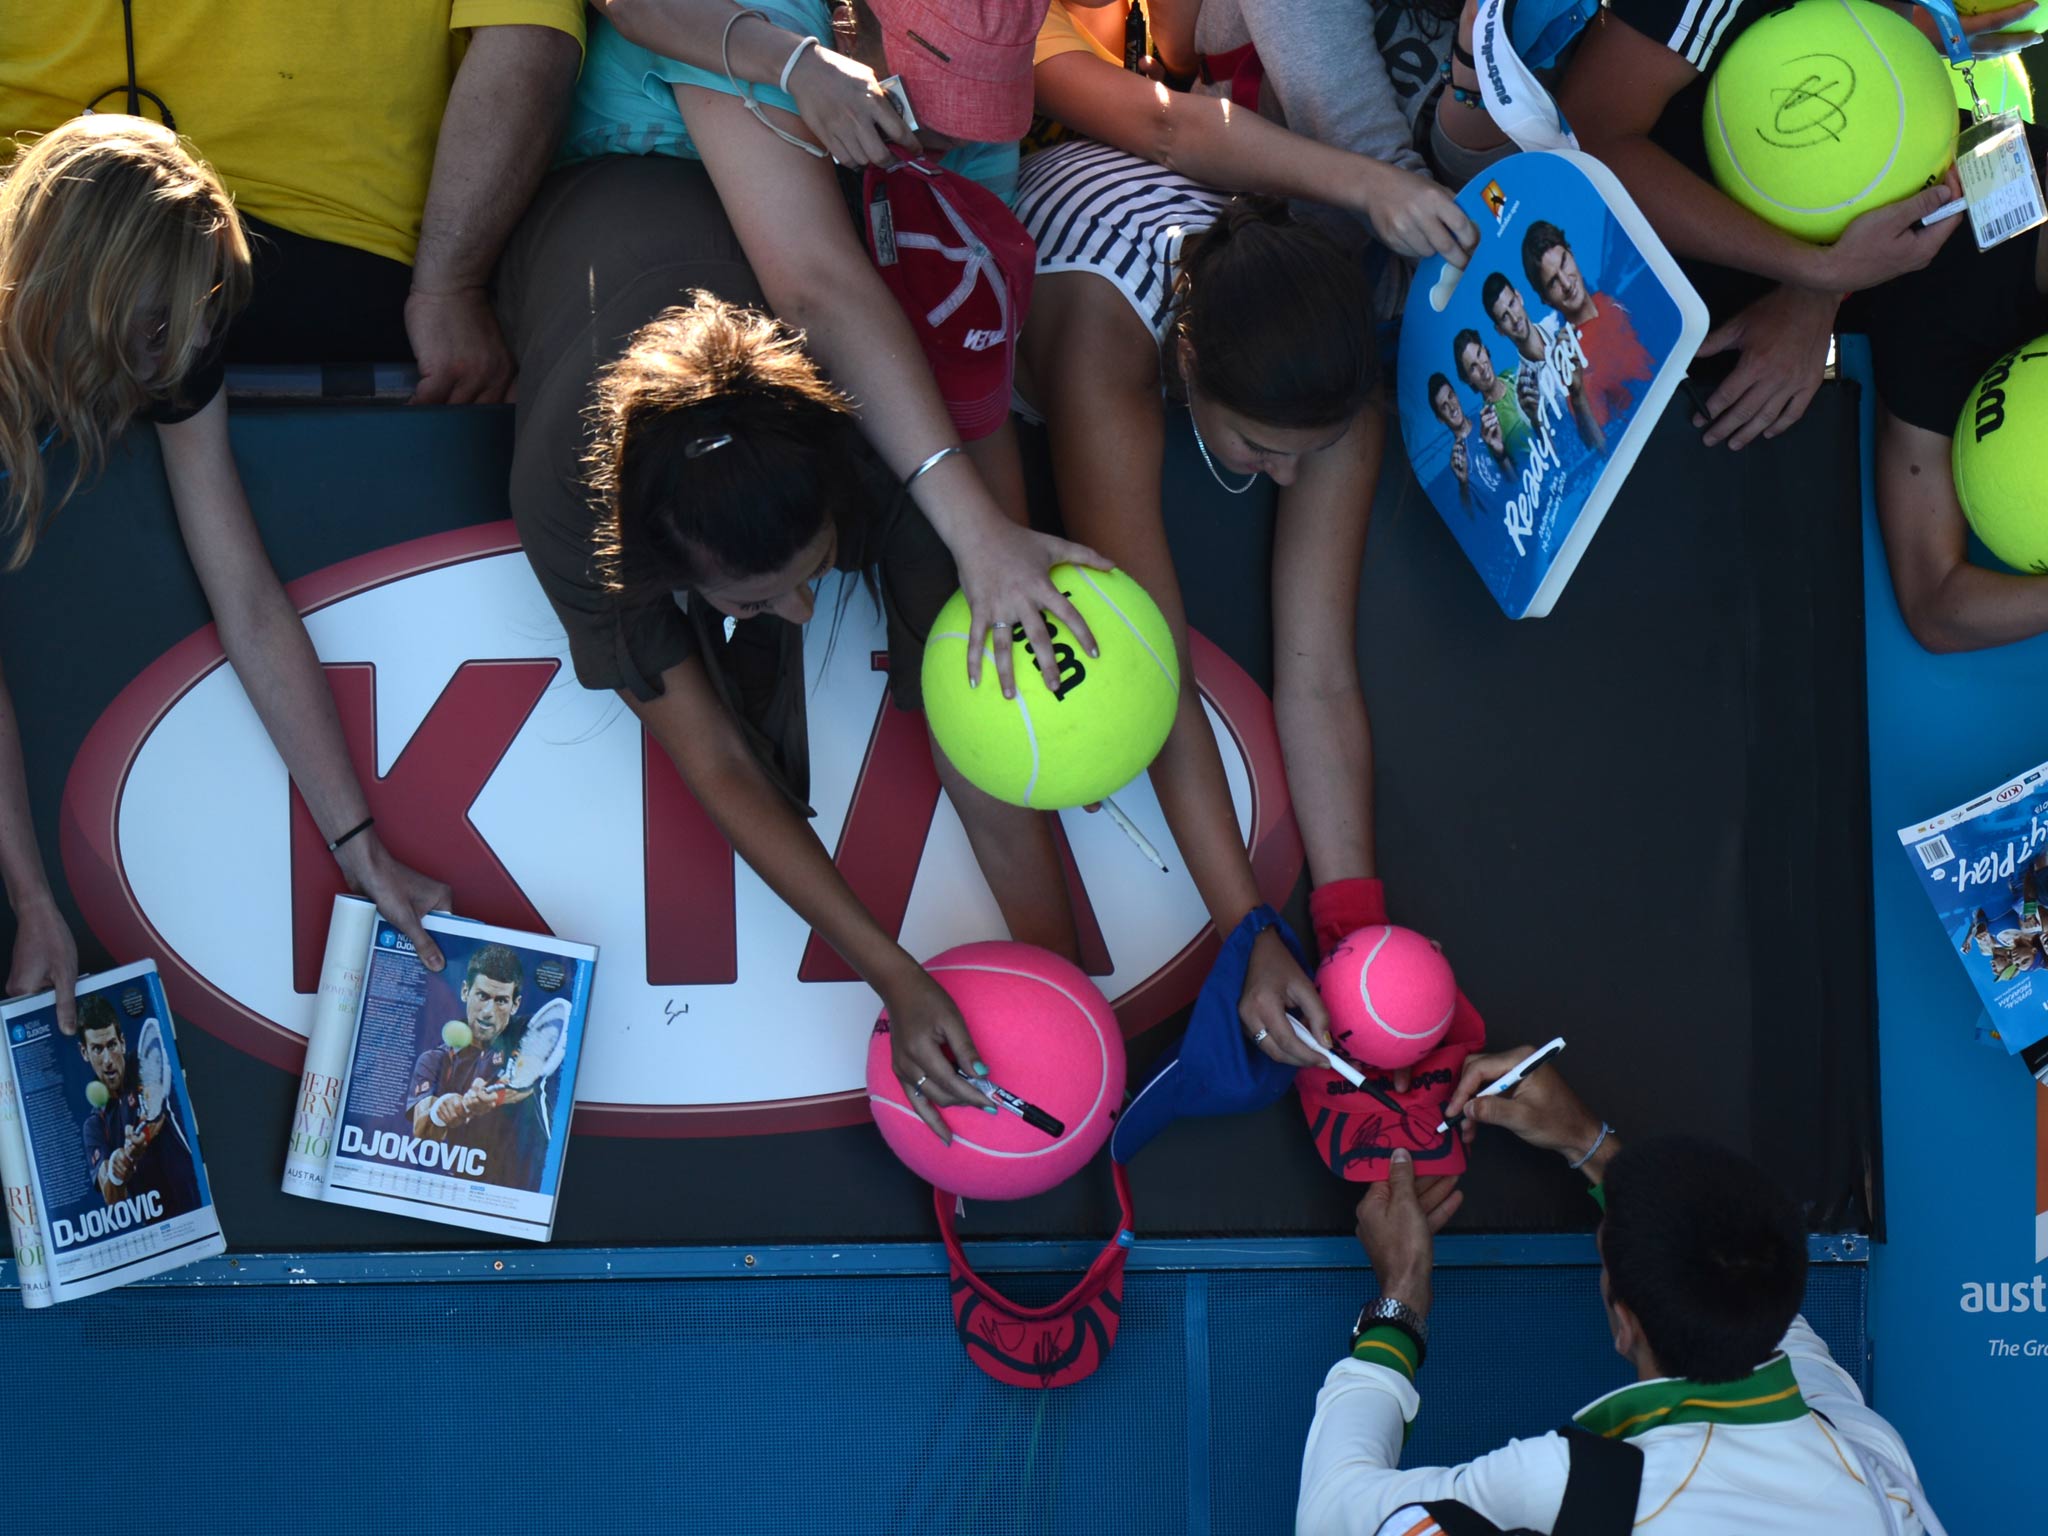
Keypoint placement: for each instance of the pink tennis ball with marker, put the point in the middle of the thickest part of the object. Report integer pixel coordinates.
(1047, 1035)
(1390, 996)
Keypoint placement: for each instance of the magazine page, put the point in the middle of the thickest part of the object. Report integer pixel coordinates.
(1984, 866)
(113, 1151)
(328, 1038)
(24, 1231)
(459, 1085)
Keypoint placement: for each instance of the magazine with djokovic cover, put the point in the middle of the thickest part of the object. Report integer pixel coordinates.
(1529, 380)
(1984, 866)
(99, 1129)
(456, 1086)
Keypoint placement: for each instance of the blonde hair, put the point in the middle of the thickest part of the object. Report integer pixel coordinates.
(121, 259)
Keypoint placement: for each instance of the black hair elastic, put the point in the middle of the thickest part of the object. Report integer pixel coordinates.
(355, 831)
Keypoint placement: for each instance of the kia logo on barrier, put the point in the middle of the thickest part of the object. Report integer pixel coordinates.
(2010, 792)
(716, 1011)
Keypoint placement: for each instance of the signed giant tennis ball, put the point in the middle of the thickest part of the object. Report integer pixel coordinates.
(1048, 1035)
(456, 1036)
(1997, 458)
(96, 1094)
(1827, 110)
(1390, 996)
(1051, 750)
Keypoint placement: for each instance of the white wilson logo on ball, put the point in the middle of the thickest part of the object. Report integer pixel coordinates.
(716, 1010)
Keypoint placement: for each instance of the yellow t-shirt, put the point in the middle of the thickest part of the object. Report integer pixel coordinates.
(320, 115)
(1061, 33)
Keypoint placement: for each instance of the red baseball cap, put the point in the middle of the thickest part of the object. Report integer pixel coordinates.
(961, 266)
(966, 64)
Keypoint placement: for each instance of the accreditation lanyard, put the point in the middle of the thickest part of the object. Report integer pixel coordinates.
(2001, 183)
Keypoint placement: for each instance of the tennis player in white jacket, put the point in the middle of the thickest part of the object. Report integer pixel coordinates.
(1743, 1421)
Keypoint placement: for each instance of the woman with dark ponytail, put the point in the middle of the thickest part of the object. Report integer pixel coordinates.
(1261, 328)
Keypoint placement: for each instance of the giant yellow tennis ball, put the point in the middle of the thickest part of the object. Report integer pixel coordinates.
(1052, 750)
(1998, 459)
(1826, 110)
(96, 1094)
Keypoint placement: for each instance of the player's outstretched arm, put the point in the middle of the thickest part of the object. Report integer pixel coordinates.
(267, 644)
(705, 744)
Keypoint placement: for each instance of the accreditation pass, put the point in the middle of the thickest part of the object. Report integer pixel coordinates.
(2000, 183)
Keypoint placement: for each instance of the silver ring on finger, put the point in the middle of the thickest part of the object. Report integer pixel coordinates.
(1260, 1035)
(917, 1087)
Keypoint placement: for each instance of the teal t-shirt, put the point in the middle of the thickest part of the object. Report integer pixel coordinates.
(624, 104)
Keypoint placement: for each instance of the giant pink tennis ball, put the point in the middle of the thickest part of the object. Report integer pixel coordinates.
(1390, 996)
(1046, 1033)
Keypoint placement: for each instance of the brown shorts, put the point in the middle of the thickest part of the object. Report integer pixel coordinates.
(606, 246)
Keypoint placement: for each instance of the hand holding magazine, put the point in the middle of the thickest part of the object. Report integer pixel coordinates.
(445, 1095)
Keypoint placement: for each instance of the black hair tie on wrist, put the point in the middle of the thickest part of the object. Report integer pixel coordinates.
(355, 831)
(1463, 57)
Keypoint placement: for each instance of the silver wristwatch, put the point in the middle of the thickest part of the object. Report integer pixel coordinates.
(1397, 1314)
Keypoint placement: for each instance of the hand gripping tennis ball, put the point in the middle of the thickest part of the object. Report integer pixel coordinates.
(1390, 996)
(1052, 750)
(1046, 1034)
(1827, 110)
(1998, 461)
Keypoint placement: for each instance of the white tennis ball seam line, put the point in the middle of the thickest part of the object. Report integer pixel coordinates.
(1030, 736)
(1898, 137)
(1172, 680)
(961, 1140)
(1365, 997)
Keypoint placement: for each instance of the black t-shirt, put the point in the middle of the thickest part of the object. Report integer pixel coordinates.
(1699, 31)
(1935, 331)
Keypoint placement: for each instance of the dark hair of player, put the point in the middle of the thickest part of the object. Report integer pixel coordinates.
(1437, 384)
(719, 451)
(1280, 319)
(96, 1012)
(1490, 291)
(1706, 1250)
(498, 963)
(1543, 236)
(1465, 338)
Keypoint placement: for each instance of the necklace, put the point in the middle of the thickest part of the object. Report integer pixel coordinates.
(1250, 480)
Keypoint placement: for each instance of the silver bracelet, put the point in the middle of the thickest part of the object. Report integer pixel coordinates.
(745, 92)
(1598, 1142)
(931, 463)
(782, 80)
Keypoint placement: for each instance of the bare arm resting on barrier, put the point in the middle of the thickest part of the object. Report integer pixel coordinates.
(497, 133)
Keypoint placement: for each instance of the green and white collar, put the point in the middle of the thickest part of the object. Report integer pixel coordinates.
(1767, 1395)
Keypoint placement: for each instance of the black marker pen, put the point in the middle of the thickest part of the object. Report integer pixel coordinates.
(1031, 1114)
